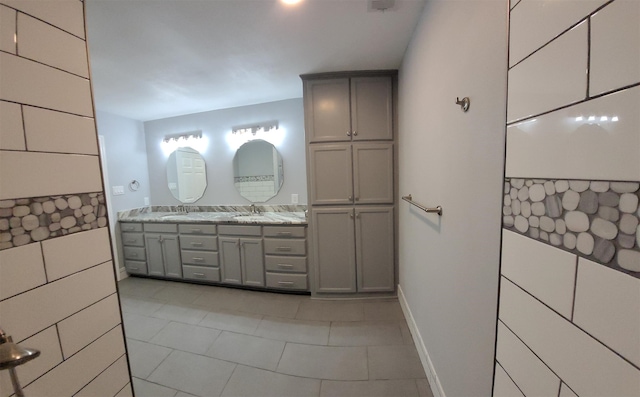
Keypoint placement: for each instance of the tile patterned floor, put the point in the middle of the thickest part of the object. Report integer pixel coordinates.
(194, 340)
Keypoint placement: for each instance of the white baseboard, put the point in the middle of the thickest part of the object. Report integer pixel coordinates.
(122, 274)
(434, 382)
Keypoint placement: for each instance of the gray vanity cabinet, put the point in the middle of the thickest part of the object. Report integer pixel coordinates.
(135, 258)
(358, 173)
(163, 250)
(353, 250)
(199, 252)
(285, 249)
(242, 256)
(345, 109)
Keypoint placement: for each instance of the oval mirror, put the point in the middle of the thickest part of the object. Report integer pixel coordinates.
(257, 171)
(186, 175)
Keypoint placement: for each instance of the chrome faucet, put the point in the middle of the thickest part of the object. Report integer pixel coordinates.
(252, 208)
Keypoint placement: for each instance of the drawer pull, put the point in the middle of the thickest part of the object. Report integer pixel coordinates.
(134, 268)
(283, 249)
(196, 244)
(131, 241)
(285, 282)
(285, 265)
(196, 230)
(201, 275)
(129, 228)
(284, 233)
(133, 254)
(198, 259)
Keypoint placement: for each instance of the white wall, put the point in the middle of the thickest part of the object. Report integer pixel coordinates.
(126, 153)
(570, 289)
(216, 128)
(449, 264)
(57, 285)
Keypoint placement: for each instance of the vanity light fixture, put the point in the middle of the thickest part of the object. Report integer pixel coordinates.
(184, 135)
(253, 129)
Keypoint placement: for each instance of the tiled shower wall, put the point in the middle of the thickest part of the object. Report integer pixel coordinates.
(57, 288)
(569, 317)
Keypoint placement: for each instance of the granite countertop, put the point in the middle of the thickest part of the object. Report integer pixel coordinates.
(219, 217)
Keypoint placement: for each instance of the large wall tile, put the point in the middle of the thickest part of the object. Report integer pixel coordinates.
(608, 307)
(50, 356)
(11, 129)
(574, 355)
(87, 325)
(615, 46)
(51, 131)
(504, 386)
(52, 46)
(32, 83)
(531, 375)
(552, 77)
(566, 392)
(69, 254)
(127, 391)
(535, 22)
(24, 174)
(75, 373)
(546, 272)
(21, 269)
(65, 14)
(7, 29)
(565, 144)
(110, 382)
(28, 313)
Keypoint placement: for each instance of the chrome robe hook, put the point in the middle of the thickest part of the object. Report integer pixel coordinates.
(464, 103)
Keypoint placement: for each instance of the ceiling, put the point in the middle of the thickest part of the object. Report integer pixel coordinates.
(153, 59)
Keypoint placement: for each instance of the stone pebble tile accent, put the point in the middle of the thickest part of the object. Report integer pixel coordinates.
(598, 220)
(26, 220)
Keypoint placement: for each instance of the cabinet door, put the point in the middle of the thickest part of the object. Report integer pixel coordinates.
(373, 173)
(334, 249)
(155, 260)
(372, 108)
(327, 110)
(331, 174)
(230, 259)
(375, 249)
(171, 254)
(252, 259)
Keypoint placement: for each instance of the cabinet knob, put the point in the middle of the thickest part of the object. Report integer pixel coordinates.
(350, 198)
(355, 133)
(357, 198)
(351, 215)
(348, 133)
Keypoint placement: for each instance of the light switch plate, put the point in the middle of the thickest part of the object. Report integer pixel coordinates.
(117, 190)
(146, 201)
(294, 198)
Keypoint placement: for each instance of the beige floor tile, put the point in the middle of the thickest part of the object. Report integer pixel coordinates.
(319, 310)
(365, 334)
(369, 388)
(383, 311)
(186, 337)
(135, 286)
(178, 294)
(234, 321)
(139, 305)
(194, 374)
(298, 331)
(253, 382)
(394, 362)
(269, 304)
(424, 389)
(145, 357)
(148, 389)
(324, 362)
(142, 327)
(181, 313)
(248, 350)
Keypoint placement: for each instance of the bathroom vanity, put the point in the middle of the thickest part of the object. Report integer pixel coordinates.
(259, 250)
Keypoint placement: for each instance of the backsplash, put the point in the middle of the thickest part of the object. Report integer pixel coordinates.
(596, 220)
(26, 220)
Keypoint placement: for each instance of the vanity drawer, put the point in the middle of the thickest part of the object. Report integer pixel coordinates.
(287, 281)
(161, 227)
(196, 229)
(135, 267)
(130, 227)
(236, 230)
(289, 264)
(202, 258)
(134, 253)
(284, 231)
(207, 243)
(200, 273)
(133, 239)
(285, 246)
